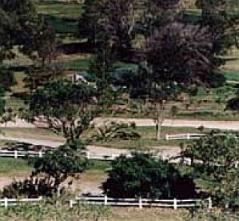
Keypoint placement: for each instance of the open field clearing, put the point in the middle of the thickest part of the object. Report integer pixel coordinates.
(60, 9)
(13, 168)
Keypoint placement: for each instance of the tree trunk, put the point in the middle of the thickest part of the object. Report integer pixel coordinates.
(160, 118)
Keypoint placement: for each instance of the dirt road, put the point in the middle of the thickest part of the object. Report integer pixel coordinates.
(223, 125)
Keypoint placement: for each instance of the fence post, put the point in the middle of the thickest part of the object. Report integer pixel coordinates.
(236, 164)
(15, 154)
(40, 154)
(140, 203)
(188, 136)
(175, 206)
(5, 203)
(71, 203)
(88, 155)
(105, 200)
(166, 137)
(209, 203)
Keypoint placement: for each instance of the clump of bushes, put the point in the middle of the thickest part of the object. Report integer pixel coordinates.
(145, 176)
(114, 130)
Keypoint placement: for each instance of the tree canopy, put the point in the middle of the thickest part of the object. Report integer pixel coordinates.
(145, 176)
(214, 159)
(67, 107)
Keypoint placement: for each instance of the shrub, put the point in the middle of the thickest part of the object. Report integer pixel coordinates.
(143, 175)
(114, 130)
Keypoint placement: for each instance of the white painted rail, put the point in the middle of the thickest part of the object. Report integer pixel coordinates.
(22, 154)
(188, 136)
(90, 156)
(6, 202)
(140, 202)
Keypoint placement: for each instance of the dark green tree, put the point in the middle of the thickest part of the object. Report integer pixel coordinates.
(19, 21)
(68, 108)
(144, 176)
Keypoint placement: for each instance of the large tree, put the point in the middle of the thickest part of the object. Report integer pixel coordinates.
(144, 176)
(68, 108)
(179, 57)
(215, 160)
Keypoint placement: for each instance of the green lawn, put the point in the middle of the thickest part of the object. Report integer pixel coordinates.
(63, 17)
(59, 9)
(78, 64)
(232, 75)
(148, 139)
(12, 167)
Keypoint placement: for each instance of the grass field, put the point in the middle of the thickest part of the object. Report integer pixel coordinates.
(148, 139)
(31, 133)
(232, 75)
(59, 9)
(12, 167)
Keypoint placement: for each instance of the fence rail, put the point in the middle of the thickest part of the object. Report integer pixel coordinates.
(188, 136)
(140, 202)
(91, 156)
(22, 154)
(6, 202)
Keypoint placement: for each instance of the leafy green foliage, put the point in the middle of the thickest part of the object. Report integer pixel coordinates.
(113, 130)
(67, 107)
(214, 159)
(143, 175)
(18, 22)
(50, 172)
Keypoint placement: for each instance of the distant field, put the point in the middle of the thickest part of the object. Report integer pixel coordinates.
(232, 75)
(59, 9)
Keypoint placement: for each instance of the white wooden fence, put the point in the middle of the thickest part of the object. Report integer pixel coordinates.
(91, 156)
(141, 202)
(188, 136)
(6, 202)
(21, 154)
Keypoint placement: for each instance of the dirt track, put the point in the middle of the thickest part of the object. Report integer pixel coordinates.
(223, 125)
